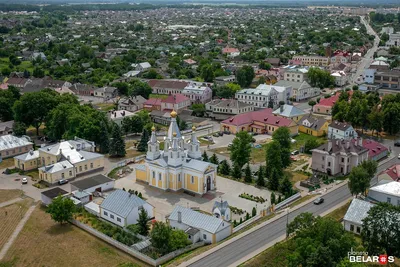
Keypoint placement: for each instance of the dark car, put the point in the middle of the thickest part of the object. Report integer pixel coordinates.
(216, 135)
(318, 201)
(397, 143)
(62, 181)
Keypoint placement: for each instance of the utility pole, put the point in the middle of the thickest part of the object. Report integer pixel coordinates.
(287, 222)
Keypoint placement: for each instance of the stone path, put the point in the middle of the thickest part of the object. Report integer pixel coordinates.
(9, 202)
(17, 230)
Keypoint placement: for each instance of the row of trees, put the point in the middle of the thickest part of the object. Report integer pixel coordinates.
(320, 78)
(367, 111)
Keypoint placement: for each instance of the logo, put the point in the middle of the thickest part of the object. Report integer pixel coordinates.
(363, 257)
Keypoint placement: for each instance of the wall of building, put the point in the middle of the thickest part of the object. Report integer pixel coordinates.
(384, 197)
(53, 178)
(141, 175)
(8, 153)
(352, 227)
(112, 217)
(26, 165)
(89, 165)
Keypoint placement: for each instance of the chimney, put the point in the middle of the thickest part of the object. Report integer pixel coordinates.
(179, 217)
(329, 145)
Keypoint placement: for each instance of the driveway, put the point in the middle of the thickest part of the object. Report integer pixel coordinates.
(164, 202)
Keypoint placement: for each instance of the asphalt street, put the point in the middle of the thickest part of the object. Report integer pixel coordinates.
(270, 232)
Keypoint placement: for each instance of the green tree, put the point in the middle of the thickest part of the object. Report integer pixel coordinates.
(214, 159)
(340, 111)
(241, 148)
(140, 88)
(61, 209)
(391, 118)
(245, 76)
(19, 128)
(224, 168)
(320, 78)
(181, 124)
(38, 72)
(117, 143)
(375, 119)
(198, 109)
(273, 198)
(273, 159)
(207, 73)
(311, 103)
(359, 180)
(247, 174)
(160, 237)
(260, 177)
(303, 221)
(142, 222)
(380, 230)
(273, 181)
(178, 240)
(142, 146)
(310, 144)
(370, 166)
(282, 136)
(227, 91)
(205, 156)
(253, 212)
(236, 171)
(285, 186)
(264, 65)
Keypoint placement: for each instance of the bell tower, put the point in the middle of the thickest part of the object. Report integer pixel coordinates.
(153, 146)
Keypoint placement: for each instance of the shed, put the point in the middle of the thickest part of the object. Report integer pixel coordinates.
(356, 212)
(91, 184)
(48, 195)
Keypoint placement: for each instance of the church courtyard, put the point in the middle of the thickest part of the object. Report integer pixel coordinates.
(229, 190)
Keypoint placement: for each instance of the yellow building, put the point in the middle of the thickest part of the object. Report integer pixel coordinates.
(314, 126)
(179, 165)
(27, 161)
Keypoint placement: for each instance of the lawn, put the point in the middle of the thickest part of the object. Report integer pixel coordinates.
(6, 195)
(10, 221)
(158, 96)
(42, 242)
(338, 214)
(105, 106)
(296, 177)
(301, 139)
(301, 200)
(7, 163)
(257, 154)
(25, 65)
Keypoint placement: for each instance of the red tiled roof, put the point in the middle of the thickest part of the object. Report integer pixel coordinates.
(153, 102)
(228, 50)
(15, 80)
(328, 102)
(374, 147)
(394, 172)
(168, 84)
(175, 99)
(263, 116)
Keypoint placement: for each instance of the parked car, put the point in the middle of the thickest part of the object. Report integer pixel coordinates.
(398, 156)
(257, 146)
(221, 133)
(397, 143)
(318, 201)
(62, 181)
(24, 180)
(230, 144)
(295, 152)
(227, 132)
(216, 135)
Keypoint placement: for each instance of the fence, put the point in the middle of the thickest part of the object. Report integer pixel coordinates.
(287, 201)
(134, 252)
(244, 224)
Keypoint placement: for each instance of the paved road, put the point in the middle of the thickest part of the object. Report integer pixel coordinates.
(257, 239)
(368, 57)
(242, 247)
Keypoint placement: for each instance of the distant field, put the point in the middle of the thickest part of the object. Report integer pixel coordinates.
(10, 221)
(25, 65)
(6, 195)
(42, 242)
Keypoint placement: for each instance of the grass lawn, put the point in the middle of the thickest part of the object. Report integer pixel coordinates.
(10, 221)
(338, 214)
(158, 96)
(42, 242)
(34, 174)
(105, 106)
(301, 200)
(257, 154)
(296, 176)
(7, 163)
(301, 139)
(6, 195)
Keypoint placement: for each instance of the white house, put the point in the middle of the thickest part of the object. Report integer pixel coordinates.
(369, 75)
(123, 208)
(264, 94)
(99, 183)
(386, 191)
(341, 130)
(356, 212)
(117, 116)
(199, 226)
(221, 210)
(340, 78)
(143, 66)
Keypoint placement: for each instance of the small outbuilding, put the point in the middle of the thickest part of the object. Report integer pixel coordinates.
(99, 183)
(48, 195)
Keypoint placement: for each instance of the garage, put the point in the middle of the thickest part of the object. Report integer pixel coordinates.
(97, 183)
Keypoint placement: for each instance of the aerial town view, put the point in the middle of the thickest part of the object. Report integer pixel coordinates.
(199, 133)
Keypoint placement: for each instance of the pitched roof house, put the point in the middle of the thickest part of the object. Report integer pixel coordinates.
(357, 211)
(132, 103)
(177, 102)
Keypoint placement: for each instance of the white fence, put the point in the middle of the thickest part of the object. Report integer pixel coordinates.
(287, 201)
(132, 251)
(244, 224)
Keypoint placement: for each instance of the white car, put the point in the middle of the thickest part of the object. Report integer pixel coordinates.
(398, 156)
(24, 180)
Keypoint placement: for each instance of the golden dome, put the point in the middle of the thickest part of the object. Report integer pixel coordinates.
(174, 134)
(173, 114)
(193, 128)
(153, 128)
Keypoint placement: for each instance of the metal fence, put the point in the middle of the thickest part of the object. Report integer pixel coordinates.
(287, 201)
(246, 223)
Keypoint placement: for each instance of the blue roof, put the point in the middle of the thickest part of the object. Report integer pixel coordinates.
(289, 111)
(121, 202)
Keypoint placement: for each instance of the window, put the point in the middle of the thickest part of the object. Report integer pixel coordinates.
(342, 159)
(159, 176)
(190, 237)
(358, 229)
(192, 180)
(329, 164)
(179, 177)
(118, 219)
(323, 158)
(62, 175)
(91, 165)
(85, 167)
(204, 236)
(389, 200)
(70, 173)
(111, 216)
(351, 227)
(105, 213)
(80, 168)
(154, 174)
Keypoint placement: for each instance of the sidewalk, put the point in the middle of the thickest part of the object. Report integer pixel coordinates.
(17, 230)
(9, 202)
(256, 252)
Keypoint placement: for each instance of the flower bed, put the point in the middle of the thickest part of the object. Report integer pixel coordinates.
(252, 198)
(236, 210)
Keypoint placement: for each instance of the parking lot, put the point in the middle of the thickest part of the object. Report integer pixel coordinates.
(227, 189)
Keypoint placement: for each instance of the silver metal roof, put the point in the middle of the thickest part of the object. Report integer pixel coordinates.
(9, 142)
(196, 219)
(28, 156)
(121, 202)
(56, 167)
(357, 211)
